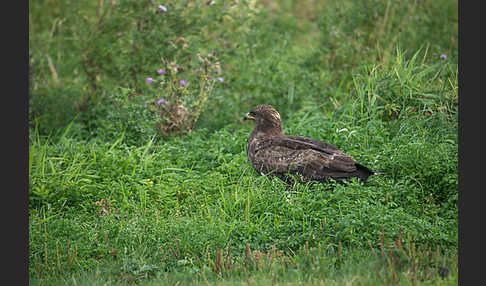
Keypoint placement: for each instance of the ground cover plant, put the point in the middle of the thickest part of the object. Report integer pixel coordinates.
(137, 152)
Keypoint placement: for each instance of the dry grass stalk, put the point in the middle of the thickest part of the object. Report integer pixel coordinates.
(247, 255)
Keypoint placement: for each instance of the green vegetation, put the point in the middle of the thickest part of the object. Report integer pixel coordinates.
(127, 189)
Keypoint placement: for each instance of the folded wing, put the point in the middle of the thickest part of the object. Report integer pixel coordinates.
(309, 158)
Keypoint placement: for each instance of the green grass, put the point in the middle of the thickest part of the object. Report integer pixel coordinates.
(310, 266)
(201, 192)
(111, 202)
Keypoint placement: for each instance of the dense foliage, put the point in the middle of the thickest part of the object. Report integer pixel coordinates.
(137, 151)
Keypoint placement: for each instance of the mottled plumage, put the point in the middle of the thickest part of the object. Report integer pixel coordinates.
(273, 153)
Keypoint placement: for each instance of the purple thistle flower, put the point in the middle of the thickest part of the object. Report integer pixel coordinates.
(183, 82)
(149, 80)
(160, 71)
(160, 101)
(220, 79)
(162, 8)
(443, 56)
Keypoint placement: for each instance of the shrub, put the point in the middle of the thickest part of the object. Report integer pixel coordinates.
(353, 33)
(181, 102)
(103, 46)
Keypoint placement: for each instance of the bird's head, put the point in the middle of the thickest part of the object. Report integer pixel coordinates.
(267, 119)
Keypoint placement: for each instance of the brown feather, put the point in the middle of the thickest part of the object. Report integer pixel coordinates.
(273, 153)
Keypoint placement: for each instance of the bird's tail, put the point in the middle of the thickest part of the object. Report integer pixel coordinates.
(364, 172)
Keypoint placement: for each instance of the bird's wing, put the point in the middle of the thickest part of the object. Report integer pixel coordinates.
(319, 144)
(292, 154)
(302, 143)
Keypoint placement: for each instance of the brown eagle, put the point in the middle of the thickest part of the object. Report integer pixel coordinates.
(275, 154)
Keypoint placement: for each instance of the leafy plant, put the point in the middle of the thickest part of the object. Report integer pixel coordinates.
(182, 101)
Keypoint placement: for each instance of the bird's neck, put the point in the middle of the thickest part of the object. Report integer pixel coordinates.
(267, 131)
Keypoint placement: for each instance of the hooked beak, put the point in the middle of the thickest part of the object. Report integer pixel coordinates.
(248, 117)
